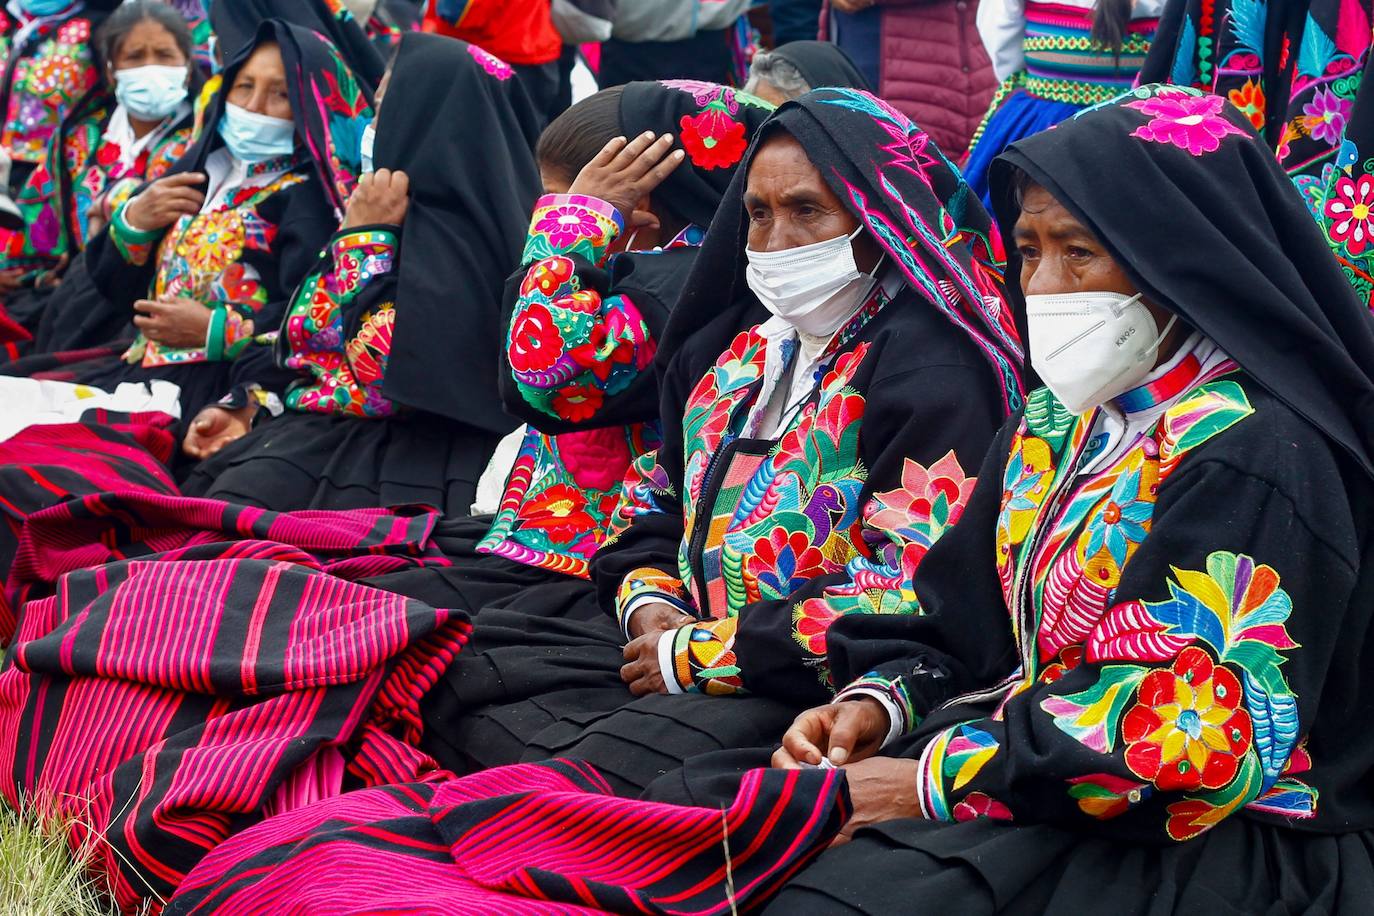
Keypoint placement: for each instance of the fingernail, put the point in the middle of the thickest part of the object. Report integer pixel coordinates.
(838, 756)
(678, 154)
(647, 133)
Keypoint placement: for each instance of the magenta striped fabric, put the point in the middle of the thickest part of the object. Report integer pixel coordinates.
(108, 527)
(528, 839)
(42, 466)
(168, 702)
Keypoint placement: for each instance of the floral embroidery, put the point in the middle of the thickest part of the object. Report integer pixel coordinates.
(535, 343)
(1249, 98)
(576, 403)
(50, 75)
(1192, 123)
(213, 242)
(493, 65)
(1350, 209)
(715, 137)
(1326, 115)
(1105, 796)
(565, 226)
(976, 805)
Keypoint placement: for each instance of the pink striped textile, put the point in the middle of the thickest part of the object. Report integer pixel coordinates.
(165, 703)
(529, 839)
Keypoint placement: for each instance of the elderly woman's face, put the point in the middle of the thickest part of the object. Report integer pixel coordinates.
(260, 84)
(790, 205)
(1061, 255)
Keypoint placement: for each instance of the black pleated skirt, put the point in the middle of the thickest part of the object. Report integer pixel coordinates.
(531, 688)
(316, 461)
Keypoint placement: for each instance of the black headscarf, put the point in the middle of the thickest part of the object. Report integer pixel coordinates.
(327, 104)
(459, 124)
(904, 191)
(696, 113)
(236, 22)
(1214, 231)
(823, 64)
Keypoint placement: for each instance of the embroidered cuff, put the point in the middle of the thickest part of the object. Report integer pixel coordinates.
(646, 585)
(704, 657)
(374, 248)
(136, 245)
(572, 224)
(665, 661)
(229, 333)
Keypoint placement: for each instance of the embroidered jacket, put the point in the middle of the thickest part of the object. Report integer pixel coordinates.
(240, 257)
(338, 326)
(1177, 616)
(50, 64)
(579, 349)
(768, 541)
(57, 198)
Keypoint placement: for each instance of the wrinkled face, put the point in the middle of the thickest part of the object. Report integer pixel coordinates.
(790, 205)
(148, 44)
(260, 85)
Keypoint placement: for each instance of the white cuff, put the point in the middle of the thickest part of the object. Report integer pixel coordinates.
(665, 660)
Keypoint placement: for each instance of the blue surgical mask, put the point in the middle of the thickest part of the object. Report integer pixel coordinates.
(253, 137)
(151, 93)
(44, 7)
(365, 145)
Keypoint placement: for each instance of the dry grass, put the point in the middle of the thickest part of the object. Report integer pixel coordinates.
(38, 874)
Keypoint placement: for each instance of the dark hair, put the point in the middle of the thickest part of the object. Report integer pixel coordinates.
(122, 21)
(577, 135)
(1111, 19)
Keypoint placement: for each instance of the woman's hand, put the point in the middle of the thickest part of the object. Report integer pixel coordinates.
(381, 198)
(881, 789)
(165, 201)
(179, 323)
(649, 622)
(844, 733)
(214, 428)
(625, 171)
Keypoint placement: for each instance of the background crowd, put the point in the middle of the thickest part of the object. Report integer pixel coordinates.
(689, 455)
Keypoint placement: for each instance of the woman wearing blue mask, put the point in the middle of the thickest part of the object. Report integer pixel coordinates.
(206, 256)
(125, 132)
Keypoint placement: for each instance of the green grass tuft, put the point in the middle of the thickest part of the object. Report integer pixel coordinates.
(38, 874)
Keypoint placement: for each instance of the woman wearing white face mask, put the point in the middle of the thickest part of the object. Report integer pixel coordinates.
(1178, 526)
(119, 136)
(809, 456)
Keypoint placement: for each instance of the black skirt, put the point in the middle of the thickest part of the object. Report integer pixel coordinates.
(79, 317)
(315, 461)
(529, 688)
(478, 581)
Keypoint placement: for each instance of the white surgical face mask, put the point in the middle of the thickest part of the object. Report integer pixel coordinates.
(1091, 347)
(151, 93)
(815, 288)
(253, 137)
(366, 144)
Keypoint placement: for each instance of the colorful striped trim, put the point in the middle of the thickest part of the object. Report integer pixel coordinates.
(1167, 387)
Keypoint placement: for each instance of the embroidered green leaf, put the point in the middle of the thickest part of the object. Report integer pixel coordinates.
(1091, 716)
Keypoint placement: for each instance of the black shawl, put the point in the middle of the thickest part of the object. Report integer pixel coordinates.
(236, 23)
(328, 105)
(462, 128)
(913, 200)
(1214, 231)
(695, 112)
(823, 65)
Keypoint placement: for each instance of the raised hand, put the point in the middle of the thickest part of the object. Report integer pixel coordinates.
(381, 198)
(627, 170)
(165, 201)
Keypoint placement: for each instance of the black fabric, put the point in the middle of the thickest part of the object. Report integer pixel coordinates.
(320, 461)
(530, 688)
(691, 191)
(78, 315)
(706, 57)
(464, 136)
(822, 64)
(1272, 296)
(899, 184)
(478, 580)
(236, 22)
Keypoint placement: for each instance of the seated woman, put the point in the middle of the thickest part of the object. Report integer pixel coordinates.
(207, 255)
(123, 133)
(1178, 528)
(389, 345)
(814, 455)
(794, 69)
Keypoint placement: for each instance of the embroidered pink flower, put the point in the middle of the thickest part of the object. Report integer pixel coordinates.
(494, 65)
(1192, 123)
(1350, 211)
(566, 226)
(1326, 115)
(976, 805)
(596, 458)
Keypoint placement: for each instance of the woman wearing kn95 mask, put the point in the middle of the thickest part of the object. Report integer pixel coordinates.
(1143, 651)
(840, 359)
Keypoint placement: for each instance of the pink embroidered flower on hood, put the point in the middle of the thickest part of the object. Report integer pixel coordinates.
(1190, 122)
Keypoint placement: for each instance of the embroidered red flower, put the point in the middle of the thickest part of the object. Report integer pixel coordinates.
(561, 510)
(1187, 730)
(976, 805)
(713, 140)
(535, 343)
(597, 459)
(1350, 211)
(547, 276)
(1249, 98)
(578, 402)
(108, 154)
